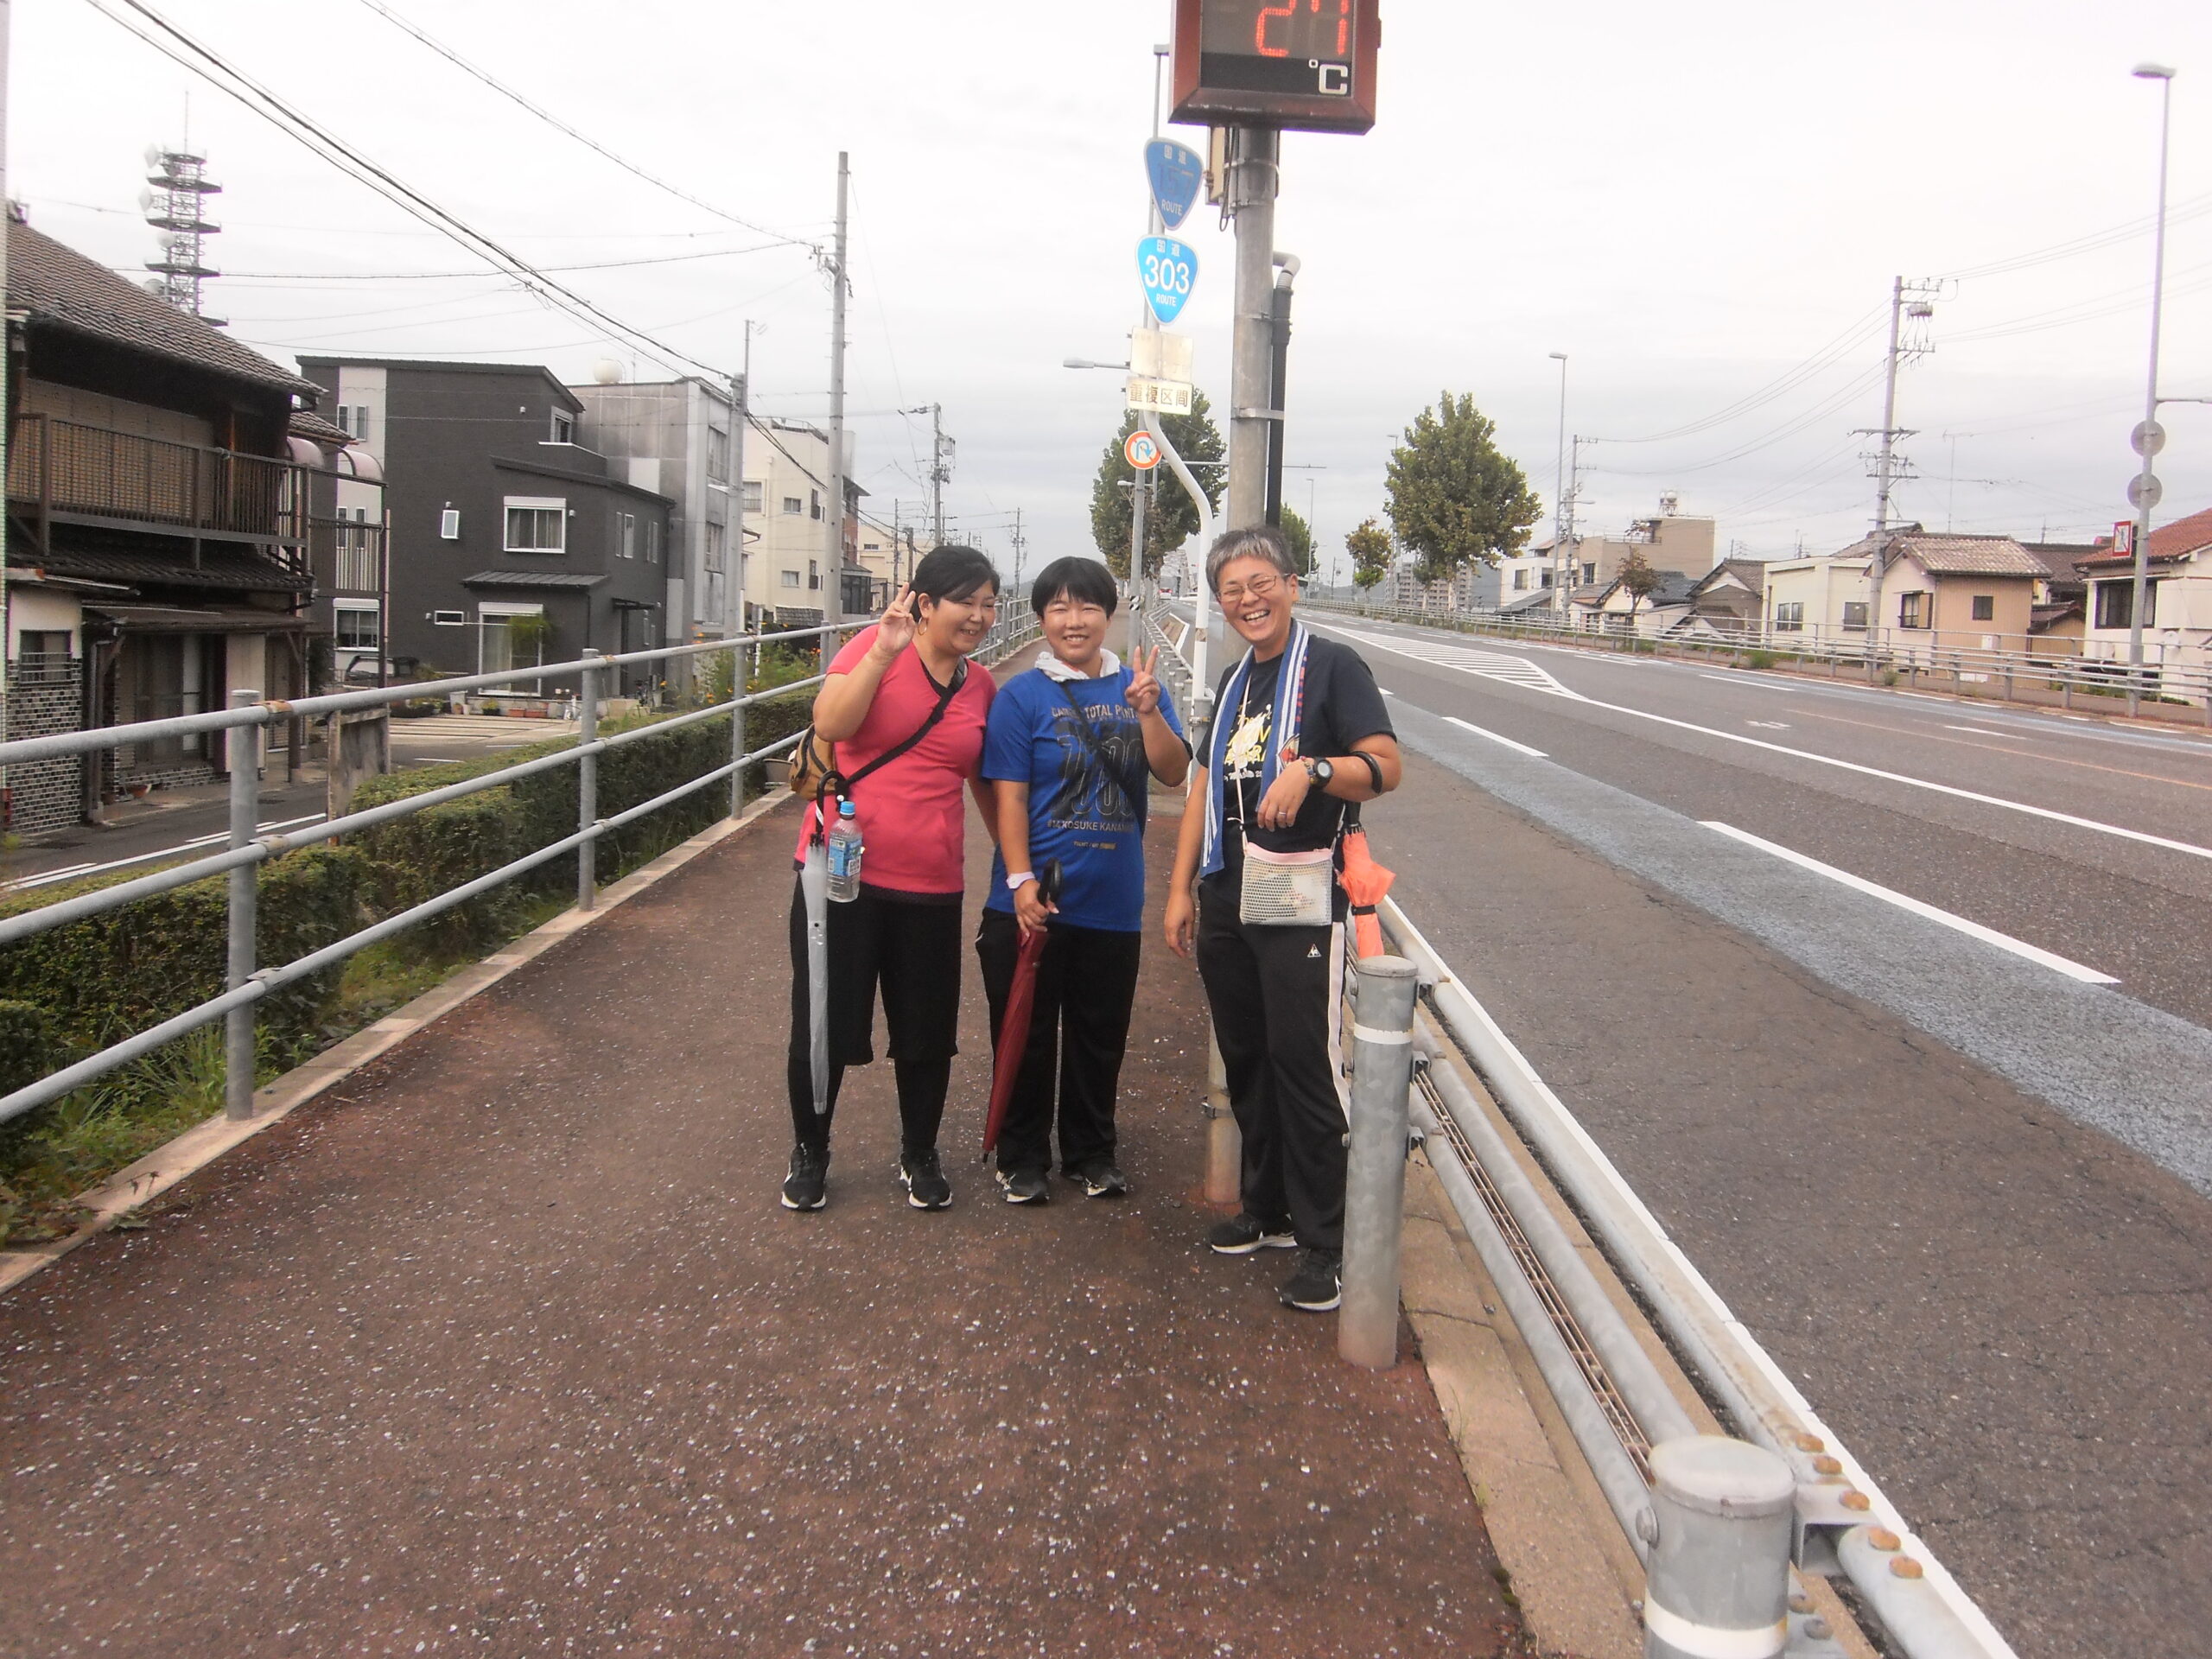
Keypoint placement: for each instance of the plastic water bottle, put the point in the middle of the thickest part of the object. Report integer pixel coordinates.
(845, 850)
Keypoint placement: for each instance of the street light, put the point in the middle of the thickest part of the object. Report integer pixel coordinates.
(1088, 363)
(2146, 484)
(1559, 489)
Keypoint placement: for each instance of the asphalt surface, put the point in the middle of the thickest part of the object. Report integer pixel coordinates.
(1959, 1195)
(508, 1348)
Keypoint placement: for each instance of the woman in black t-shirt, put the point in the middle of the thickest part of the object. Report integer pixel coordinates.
(1301, 736)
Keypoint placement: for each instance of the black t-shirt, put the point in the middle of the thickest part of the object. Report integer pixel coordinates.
(1342, 706)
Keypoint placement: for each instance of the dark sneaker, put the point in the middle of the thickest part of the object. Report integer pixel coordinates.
(1100, 1179)
(926, 1187)
(1242, 1235)
(1025, 1186)
(810, 1174)
(1316, 1285)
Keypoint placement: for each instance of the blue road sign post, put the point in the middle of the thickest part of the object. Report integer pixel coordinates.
(1169, 271)
(1177, 172)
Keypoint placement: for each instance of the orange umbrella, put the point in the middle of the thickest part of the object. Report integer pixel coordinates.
(1364, 883)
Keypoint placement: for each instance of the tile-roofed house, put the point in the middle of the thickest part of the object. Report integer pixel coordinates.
(1728, 599)
(1934, 594)
(2177, 614)
(159, 527)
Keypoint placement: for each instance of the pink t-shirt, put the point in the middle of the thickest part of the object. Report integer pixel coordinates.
(912, 812)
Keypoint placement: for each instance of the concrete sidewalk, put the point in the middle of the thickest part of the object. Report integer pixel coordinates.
(506, 1346)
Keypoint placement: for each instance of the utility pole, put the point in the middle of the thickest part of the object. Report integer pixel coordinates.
(833, 602)
(1560, 509)
(1909, 303)
(1279, 378)
(1253, 179)
(1020, 547)
(940, 474)
(7, 791)
(2144, 492)
(732, 618)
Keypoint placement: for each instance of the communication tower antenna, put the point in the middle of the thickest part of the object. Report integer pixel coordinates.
(176, 205)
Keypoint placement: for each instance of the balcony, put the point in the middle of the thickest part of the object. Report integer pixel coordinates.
(65, 471)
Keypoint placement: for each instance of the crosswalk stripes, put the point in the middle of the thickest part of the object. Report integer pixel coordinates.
(1490, 665)
(479, 728)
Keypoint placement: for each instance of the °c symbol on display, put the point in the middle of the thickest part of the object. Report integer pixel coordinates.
(1169, 270)
(1176, 174)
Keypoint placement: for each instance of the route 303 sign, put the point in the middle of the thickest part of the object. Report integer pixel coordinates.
(1307, 64)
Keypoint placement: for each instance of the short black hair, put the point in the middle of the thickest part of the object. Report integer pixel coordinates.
(954, 572)
(1084, 581)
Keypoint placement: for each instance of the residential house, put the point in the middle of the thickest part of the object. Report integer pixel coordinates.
(2178, 607)
(1955, 593)
(2058, 619)
(346, 610)
(510, 541)
(1668, 540)
(1726, 601)
(159, 529)
(1825, 597)
(1618, 610)
(681, 439)
(786, 501)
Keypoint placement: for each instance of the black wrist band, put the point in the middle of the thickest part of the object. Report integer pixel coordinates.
(1374, 770)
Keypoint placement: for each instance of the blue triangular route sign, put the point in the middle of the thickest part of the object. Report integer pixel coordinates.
(1176, 173)
(1169, 271)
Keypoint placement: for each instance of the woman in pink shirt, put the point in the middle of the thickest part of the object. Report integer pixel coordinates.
(902, 934)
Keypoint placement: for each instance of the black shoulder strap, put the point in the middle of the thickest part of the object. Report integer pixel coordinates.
(1091, 740)
(944, 697)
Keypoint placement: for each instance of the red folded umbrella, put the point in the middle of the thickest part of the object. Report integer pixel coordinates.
(1364, 883)
(1020, 1002)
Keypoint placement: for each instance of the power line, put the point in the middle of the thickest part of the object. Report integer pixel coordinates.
(1789, 380)
(439, 276)
(559, 125)
(212, 67)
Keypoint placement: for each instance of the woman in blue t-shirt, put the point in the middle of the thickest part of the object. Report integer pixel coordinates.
(1070, 750)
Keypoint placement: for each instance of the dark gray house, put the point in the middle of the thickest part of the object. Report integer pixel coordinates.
(511, 542)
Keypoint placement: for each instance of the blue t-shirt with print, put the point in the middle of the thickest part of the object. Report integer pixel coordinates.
(1087, 816)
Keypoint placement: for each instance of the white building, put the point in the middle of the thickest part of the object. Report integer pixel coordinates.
(2178, 611)
(786, 507)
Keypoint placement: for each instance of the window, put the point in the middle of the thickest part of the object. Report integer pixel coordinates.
(814, 573)
(537, 524)
(1789, 618)
(42, 642)
(652, 541)
(814, 506)
(564, 427)
(625, 536)
(753, 496)
(357, 627)
(1984, 608)
(1547, 576)
(1854, 615)
(717, 454)
(448, 618)
(717, 545)
(449, 526)
(356, 571)
(2116, 604)
(1912, 611)
(1520, 580)
(793, 504)
(353, 421)
(791, 578)
(1590, 571)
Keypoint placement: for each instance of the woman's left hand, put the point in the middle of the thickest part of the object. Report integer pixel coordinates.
(1279, 806)
(1144, 682)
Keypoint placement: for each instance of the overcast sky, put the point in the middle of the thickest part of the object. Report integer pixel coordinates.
(1693, 201)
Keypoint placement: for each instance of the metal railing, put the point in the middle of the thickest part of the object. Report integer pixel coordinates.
(243, 724)
(1916, 657)
(1616, 1403)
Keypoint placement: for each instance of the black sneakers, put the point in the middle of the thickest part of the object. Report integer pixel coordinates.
(1025, 1186)
(926, 1187)
(1101, 1177)
(810, 1174)
(1241, 1235)
(1317, 1285)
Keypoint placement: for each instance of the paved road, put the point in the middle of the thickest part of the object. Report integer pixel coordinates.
(1957, 1191)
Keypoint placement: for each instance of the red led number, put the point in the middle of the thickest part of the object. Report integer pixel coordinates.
(1290, 10)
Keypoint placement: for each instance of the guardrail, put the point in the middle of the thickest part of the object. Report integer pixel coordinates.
(1615, 1402)
(244, 723)
(1914, 660)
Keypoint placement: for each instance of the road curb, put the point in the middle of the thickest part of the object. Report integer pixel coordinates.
(162, 1168)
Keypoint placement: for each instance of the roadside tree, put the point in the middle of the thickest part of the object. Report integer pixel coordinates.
(1171, 518)
(1454, 496)
(1369, 547)
(1300, 535)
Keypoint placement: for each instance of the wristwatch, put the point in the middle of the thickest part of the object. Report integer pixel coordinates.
(1320, 772)
(1018, 879)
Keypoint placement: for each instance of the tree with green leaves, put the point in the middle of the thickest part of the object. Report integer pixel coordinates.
(1369, 547)
(1171, 518)
(1455, 498)
(1299, 536)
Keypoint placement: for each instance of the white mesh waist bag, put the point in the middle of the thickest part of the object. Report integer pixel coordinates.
(1287, 889)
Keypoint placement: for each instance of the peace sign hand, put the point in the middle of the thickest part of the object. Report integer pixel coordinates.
(1144, 682)
(895, 632)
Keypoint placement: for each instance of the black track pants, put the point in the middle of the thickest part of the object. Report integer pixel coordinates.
(911, 952)
(1274, 992)
(1086, 983)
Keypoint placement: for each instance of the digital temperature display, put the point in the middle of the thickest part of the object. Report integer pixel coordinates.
(1306, 64)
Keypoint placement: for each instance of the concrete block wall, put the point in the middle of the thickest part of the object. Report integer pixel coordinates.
(46, 794)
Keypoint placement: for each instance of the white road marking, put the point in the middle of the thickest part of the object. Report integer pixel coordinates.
(2056, 964)
(1469, 726)
(198, 844)
(1769, 725)
(1490, 665)
(2016, 737)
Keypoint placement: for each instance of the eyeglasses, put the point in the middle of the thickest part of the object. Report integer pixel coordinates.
(1258, 587)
